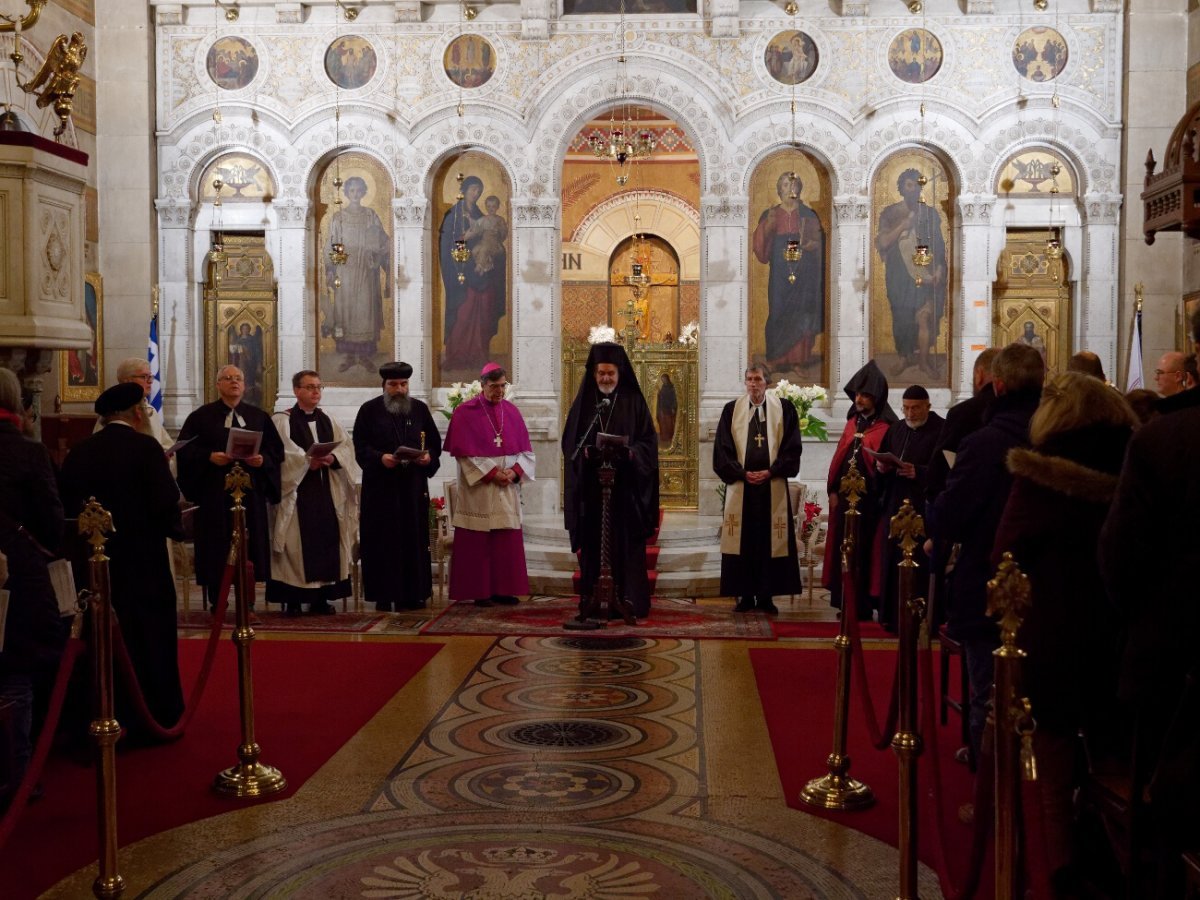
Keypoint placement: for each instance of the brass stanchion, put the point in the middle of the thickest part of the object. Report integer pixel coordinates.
(95, 521)
(249, 778)
(1009, 597)
(908, 528)
(837, 790)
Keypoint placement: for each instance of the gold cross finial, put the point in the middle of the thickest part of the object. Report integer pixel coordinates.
(237, 482)
(1009, 597)
(94, 521)
(908, 527)
(853, 486)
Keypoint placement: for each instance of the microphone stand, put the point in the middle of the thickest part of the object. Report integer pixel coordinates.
(605, 403)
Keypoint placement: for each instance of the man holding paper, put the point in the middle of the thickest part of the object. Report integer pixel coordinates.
(222, 433)
(399, 448)
(317, 515)
(488, 438)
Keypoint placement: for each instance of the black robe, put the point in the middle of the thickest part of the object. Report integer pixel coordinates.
(316, 517)
(129, 476)
(754, 572)
(914, 446)
(634, 499)
(393, 529)
(203, 483)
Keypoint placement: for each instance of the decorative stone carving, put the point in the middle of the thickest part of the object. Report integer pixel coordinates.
(724, 15)
(850, 208)
(289, 13)
(976, 209)
(533, 213)
(1102, 209)
(979, 7)
(169, 14)
(723, 211)
(409, 213)
(852, 9)
(535, 20)
(291, 213)
(173, 213)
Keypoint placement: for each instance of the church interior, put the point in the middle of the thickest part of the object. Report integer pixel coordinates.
(330, 185)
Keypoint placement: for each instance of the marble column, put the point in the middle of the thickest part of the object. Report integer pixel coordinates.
(412, 313)
(847, 328)
(1099, 303)
(972, 325)
(180, 321)
(295, 315)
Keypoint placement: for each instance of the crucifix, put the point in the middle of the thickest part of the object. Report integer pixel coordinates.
(758, 439)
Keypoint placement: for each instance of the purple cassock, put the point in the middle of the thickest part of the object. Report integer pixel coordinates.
(488, 439)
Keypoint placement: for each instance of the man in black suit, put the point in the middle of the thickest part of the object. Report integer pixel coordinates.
(127, 473)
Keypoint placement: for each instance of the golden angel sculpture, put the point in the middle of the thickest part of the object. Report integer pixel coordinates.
(57, 79)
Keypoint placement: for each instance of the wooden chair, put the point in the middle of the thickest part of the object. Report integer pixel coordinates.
(948, 647)
(1113, 794)
(444, 539)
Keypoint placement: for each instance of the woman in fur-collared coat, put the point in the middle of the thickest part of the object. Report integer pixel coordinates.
(1062, 488)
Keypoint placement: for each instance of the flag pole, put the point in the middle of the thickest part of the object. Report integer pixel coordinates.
(1134, 376)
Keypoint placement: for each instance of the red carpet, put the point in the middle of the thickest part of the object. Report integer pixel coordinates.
(792, 629)
(165, 786)
(800, 723)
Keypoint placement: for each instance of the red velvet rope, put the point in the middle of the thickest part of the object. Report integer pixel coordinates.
(881, 738)
(66, 665)
(952, 889)
(122, 659)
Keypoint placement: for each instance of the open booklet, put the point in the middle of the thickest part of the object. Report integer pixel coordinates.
(890, 459)
(242, 443)
(403, 452)
(178, 445)
(322, 448)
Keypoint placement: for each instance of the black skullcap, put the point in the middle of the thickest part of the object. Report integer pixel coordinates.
(915, 392)
(613, 354)
(391, 370)
(119, 398)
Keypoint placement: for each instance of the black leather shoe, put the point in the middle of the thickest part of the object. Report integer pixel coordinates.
(504, 600)
(291, 611)
(484, 601)
(768, 606)
(745, 605)
(321, 609)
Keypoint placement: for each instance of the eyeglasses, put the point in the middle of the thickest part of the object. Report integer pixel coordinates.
(1168, 372)
(146, 377)
(231, 378)
(311, 387)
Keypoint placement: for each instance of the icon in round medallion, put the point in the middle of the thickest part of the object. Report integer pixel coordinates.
(915, 55)
(350, 62)
(1040, 54)
(469, 61)
(232, 63)
(791, 57)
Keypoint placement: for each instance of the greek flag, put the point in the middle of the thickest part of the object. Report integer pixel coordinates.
(152, 355)
(1133, 377)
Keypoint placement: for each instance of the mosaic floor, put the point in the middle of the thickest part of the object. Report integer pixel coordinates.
(534, 767)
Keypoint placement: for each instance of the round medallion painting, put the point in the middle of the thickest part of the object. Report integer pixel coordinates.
(915, 55)
(469, 61)
(350, 62)
(791, 57)
(1040, 54)
(232, 63)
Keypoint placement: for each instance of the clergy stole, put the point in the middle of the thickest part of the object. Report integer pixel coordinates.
(731, 527)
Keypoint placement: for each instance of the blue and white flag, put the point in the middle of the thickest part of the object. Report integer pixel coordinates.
(1133, 377)
(152, 355)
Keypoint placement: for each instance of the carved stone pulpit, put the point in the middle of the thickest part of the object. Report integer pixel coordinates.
(41, 254)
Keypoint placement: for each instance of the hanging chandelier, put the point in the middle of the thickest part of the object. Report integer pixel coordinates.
(625, 143)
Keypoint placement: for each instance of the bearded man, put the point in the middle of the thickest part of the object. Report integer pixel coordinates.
(398, 447)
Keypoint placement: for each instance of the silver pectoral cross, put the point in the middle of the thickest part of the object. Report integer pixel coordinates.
(498, 440)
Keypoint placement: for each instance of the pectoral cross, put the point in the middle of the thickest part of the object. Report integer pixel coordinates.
(758, 439)
(498, 440)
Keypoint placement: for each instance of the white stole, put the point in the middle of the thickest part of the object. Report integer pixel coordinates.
(731, 525)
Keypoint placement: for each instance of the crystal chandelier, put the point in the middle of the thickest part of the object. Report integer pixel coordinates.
(625, 143)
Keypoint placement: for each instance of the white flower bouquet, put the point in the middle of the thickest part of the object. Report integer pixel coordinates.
(460, 392)
(803, 398)
(689, 335)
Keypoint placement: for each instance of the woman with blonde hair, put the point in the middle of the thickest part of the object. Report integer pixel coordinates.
(1062, 488)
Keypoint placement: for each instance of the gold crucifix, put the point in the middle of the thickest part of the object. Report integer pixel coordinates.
(758, 439)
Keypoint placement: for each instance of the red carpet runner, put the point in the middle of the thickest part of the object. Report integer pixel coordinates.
(800, 723)
(310, 698)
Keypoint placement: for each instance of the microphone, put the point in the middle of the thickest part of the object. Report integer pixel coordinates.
(604, 403)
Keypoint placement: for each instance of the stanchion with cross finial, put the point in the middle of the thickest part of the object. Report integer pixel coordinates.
(95, 521)
(1009, 598)
(907, 527)
(249, 778)
(837, 790)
